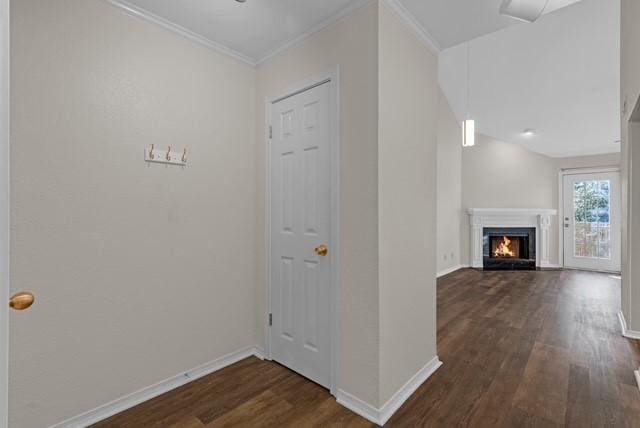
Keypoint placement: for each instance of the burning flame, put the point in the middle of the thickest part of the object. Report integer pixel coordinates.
(503, 250)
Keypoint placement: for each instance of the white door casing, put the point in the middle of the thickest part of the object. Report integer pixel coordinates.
(300, 296)
(4, 212)
(587, 243)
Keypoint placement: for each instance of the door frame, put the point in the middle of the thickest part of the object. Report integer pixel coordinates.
(578, 171)
(330, 78)
(4, 211)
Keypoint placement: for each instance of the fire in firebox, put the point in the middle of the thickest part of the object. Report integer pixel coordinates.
(504, 248)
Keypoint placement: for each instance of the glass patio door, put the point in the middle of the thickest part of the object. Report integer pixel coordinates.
(592, 221)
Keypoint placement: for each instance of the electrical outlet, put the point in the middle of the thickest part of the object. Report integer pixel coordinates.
(445, 257)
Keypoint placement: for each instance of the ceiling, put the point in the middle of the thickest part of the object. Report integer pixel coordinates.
(257, 29)
(253, 30)
(559, 76)
(451, 22)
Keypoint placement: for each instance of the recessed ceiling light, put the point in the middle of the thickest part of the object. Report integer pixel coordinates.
(529, 132)
(241, 1)
(617, 142)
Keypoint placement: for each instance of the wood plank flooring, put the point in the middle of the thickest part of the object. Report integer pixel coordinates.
(520, 349)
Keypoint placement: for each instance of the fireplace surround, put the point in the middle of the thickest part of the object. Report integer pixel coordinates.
(501, 218)
(509, 248)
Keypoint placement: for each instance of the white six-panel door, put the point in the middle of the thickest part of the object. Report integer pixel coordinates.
(300, 226)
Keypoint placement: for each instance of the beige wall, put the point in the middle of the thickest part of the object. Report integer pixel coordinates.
(4, 210)
(496, 174)
(140, 271)
(630, 92)
(352, 45)
(449, 204)
(407, 203)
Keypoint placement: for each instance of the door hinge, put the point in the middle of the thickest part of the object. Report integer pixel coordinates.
(270, 320)
(270, 132)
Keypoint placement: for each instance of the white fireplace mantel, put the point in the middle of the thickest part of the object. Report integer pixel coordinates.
(479, 218)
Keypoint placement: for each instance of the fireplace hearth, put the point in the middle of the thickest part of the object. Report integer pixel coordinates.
(509, 248)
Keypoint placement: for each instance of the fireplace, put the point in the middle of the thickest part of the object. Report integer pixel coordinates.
(509, 248)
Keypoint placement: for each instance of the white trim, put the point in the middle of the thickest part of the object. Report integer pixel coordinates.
(637, 374)
(580, 153)
(552, 266)
(403, 394)
(5, 232)
(383, 414)
(198, 38)
(581, 269)
(580, 171)
(358, 406)
(511, 211)
(351, 8)
(178, 29)
(561, 175)
(128, 401)
(394, 5)
(630, 334)
(479, 218)
(414, 25)
(333, 79)
(450, 270)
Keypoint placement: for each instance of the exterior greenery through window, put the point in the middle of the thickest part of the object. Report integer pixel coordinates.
(592, 208)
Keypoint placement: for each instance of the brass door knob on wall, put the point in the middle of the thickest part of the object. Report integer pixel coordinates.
(322, 250)
(21, 301)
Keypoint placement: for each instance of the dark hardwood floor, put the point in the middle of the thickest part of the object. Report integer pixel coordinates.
(520, 349)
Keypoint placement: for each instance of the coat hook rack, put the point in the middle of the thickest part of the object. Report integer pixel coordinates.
(169, 157)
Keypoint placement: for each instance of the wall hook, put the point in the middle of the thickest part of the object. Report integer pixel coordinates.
(151, 155)
(184, 155)
(168, 156)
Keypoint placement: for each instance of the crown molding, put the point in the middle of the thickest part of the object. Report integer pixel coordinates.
(171, 26)
(394, 5)
(353, 7)
(413, 24)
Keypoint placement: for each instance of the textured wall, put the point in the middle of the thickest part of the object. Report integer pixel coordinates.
(449, 167)
(140, 271)
(408, 85)
(350, 44)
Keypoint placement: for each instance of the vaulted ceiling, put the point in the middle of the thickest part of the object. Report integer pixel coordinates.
(559, 75)
(451, 22)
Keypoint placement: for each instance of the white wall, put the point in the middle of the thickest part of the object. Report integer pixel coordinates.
(408, 106)
(449, 204)
(140, 271)
(630, 92)
(496, 174)
(352, 45)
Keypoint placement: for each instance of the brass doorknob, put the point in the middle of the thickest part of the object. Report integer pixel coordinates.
(322, 250)
(21, 301)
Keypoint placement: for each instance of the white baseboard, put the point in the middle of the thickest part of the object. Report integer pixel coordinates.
(631, 334)
(549, 266)
(637, 373)
(382, 415)
(128, 401)
(358, 406)
(450, 270)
